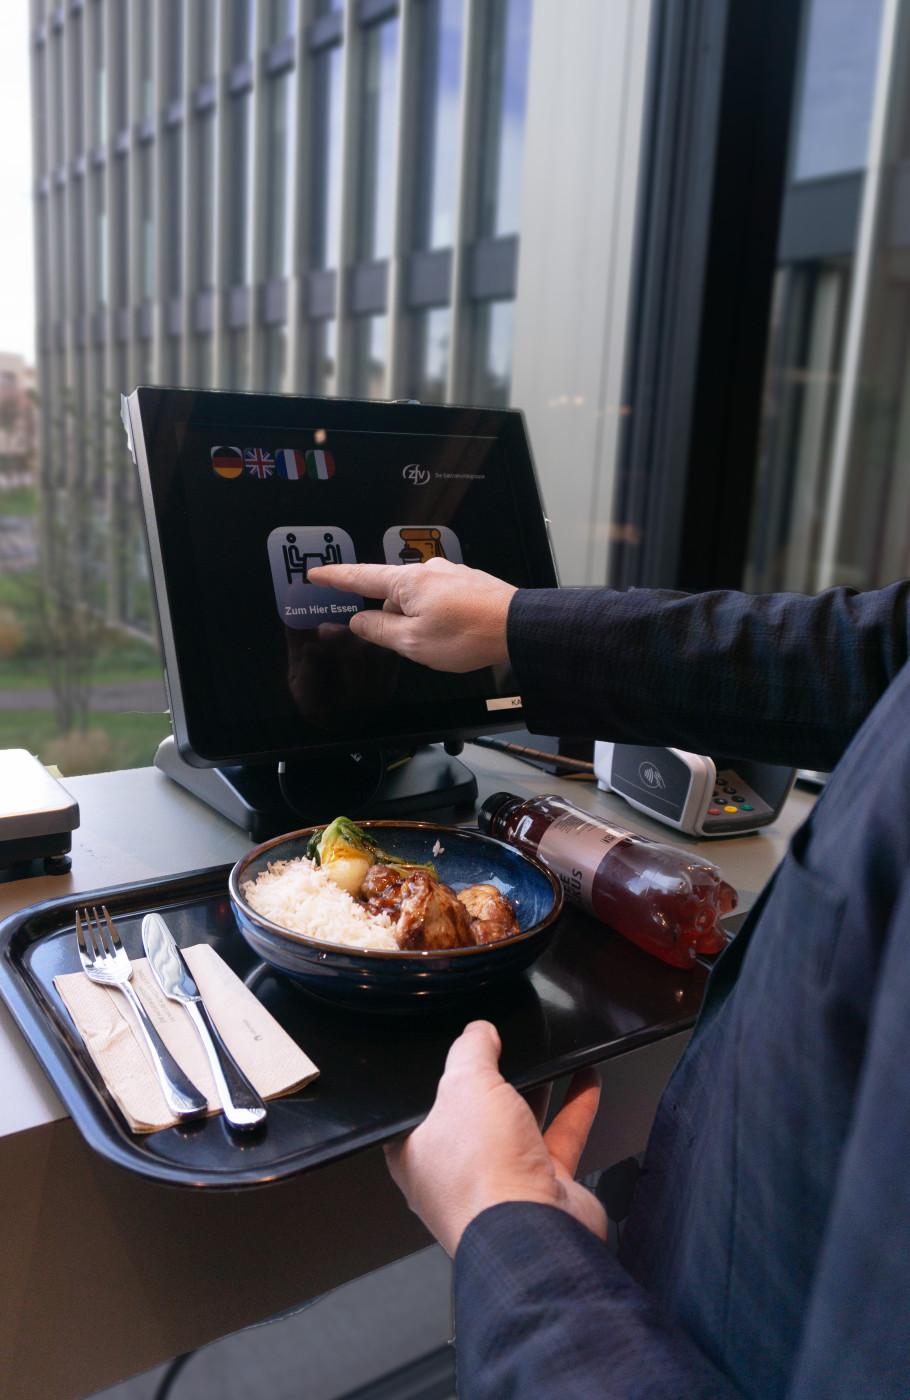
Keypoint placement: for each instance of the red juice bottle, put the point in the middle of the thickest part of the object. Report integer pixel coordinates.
(665, 899)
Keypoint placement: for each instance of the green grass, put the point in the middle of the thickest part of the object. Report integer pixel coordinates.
(31, 673)
(133, 738)
(28, 672)
(121, 657)
(18, 501)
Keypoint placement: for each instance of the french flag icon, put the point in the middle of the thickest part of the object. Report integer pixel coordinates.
(290, 463)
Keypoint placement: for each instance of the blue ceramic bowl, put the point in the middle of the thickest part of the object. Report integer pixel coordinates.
(383, 980)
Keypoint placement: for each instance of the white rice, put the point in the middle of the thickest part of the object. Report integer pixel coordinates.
(300, 897)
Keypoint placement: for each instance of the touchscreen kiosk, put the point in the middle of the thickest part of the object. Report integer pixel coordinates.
(268, 687)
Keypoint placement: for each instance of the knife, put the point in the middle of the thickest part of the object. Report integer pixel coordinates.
(243, 1108)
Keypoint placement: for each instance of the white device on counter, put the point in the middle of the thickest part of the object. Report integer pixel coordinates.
(694, 792)
(37, 814)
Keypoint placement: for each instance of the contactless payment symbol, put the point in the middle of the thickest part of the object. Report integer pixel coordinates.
(293, 551)
(415, 544)
(227, 461)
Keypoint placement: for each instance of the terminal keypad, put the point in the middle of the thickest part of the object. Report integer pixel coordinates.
(734, 803)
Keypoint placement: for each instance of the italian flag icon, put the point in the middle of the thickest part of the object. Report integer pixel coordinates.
(319, 464)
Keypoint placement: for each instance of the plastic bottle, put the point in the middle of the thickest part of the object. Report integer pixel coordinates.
(666, 900)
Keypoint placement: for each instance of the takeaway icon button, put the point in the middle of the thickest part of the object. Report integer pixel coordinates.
(293, 551)
(415, 544)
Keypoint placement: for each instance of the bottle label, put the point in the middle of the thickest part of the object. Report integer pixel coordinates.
(573, 846)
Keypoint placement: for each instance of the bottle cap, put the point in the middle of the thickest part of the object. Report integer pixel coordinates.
(486, 812)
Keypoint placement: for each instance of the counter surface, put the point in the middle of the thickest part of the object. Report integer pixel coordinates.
(186, 1268)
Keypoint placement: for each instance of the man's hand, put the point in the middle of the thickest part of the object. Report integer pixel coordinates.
(444, 615)
(481, 1146)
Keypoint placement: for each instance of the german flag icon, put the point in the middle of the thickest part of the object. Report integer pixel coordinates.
(227, 461)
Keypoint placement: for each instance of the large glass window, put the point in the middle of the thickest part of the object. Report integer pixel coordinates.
(75, 95)
(323, 358)
(238, 359)
(370, 336)
(42, 268)
(58, 106)
(282, 19)
(239, 235)
(832, 494)
(431, 331)
(99, 199)
(146, 58)
(120, 65)
(60, 251)
(439, 44)
(206, 18)
(505, 99)
(175, 49)
(325, 201)
(377, 141)
(77, 245)
(173, 213)
(275, 358)
(242, 33)
(836, 90)
(120, 177)
(204, 187)
(39, 100)
(492, 359)
(203, 362)
(146, 222)
(145, 362)
(280, 176)
(99, 76)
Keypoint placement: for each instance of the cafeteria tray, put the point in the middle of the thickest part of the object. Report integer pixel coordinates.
(590, 996)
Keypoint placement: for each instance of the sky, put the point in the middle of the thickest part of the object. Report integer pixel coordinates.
(17, 292)
(838, 87)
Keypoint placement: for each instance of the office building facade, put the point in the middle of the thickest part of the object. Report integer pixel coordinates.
(262, 195)
(313, 198)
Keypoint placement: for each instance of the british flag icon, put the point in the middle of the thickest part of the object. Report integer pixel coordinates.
(258, 463)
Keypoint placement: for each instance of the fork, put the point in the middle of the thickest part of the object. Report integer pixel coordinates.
(105, 960)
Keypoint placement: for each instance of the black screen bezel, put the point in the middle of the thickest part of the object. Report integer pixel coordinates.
(154, 415)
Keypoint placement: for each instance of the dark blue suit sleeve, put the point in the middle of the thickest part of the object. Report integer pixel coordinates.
(777, 678)
(543, 1309)
(856, 1340)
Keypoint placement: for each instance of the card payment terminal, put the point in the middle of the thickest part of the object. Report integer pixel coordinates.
(696, 793)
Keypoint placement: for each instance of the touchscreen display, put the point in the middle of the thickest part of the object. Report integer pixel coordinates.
(244, 504)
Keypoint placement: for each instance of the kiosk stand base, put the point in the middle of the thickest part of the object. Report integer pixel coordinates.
(250, 795)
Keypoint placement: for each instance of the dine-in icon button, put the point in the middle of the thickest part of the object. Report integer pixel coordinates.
(295, 549)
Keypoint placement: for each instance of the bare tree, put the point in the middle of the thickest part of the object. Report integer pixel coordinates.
(18, 428)
(74, 560)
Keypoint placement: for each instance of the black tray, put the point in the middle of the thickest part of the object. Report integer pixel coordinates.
(590, 996)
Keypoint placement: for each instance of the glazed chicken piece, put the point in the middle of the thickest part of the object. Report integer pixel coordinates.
(432, 916)
(492, 915)
(381, 889)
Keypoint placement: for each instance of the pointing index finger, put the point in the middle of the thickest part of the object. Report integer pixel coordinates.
(369, 580)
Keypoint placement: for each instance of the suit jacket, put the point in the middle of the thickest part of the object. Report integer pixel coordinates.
(767, 1251)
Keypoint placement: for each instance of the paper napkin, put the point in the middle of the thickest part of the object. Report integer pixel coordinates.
(271, 1060)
